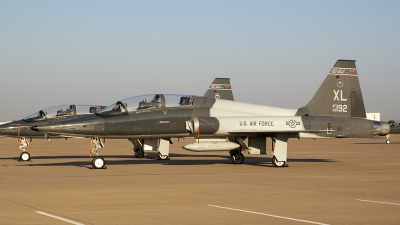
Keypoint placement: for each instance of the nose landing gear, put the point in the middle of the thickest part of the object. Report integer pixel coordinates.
(23, 144)
(98, 162)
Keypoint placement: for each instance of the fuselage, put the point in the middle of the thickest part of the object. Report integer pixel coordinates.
(215, 118)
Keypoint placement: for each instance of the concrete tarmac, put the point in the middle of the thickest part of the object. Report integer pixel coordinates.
(331, 181)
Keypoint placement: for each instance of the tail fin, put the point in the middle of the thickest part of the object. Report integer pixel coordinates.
(220, 88)
(339, 95)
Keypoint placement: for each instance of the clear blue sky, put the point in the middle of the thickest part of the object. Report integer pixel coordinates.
(275, 52)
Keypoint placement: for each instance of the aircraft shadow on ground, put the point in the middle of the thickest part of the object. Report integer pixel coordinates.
(175, 160)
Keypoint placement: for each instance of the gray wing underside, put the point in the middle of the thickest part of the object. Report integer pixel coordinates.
(244, 131)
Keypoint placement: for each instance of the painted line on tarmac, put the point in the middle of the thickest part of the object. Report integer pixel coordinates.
(390, 203)
(59, 218)
(270, 215)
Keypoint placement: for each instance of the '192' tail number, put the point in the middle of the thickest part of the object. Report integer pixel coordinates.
(339, 108)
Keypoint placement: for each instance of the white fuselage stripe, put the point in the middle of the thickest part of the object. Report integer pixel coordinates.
(270, 215)
(59, 218)
(223, 107)
(259, 124)
(390, 203)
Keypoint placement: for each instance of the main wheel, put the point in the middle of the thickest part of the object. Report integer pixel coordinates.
(139, 153)
(387, 141)
(237, 158)
(98, 163)
(162, 157)
(277, 163)
(25, 157)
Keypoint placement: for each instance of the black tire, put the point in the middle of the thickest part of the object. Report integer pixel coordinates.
(25, 156)
(277, 163)
(98, 163)
(162, 157)
(139, 153)
(237, 158)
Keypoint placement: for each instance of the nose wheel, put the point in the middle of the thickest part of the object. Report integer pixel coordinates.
(23, 144)
(99, 163)
(25, 156)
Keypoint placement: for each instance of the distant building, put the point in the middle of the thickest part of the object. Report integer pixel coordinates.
(374, 116)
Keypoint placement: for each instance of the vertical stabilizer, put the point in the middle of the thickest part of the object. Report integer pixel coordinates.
(220, 88)
(339, 95)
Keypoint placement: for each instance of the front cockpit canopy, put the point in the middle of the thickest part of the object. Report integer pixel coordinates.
(63, 111)
(147, 102)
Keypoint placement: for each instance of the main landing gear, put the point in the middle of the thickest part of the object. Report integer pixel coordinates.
(98, 162)
(151, 144)
(23, 144)
(236, 156)
(279, 147)
(162, 157)
(139, 153)
(277, 163)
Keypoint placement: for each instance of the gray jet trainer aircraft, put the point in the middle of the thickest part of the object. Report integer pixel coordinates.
(22, 128)
(219, 88)
(336, 111)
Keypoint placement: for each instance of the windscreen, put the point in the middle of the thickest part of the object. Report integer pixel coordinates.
(63, 111)
(147, 102)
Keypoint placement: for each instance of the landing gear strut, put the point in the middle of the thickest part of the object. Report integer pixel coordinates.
(98, 162)
(280, 149)
(25, 156)
(387, 139)
(151, 144)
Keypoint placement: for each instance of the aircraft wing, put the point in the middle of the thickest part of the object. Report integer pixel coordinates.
(244, 131)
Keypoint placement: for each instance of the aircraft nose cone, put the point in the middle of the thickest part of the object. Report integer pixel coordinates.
(6, 130)
(2, 131)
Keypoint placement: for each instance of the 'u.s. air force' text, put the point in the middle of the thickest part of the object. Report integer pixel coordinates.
(256, 123)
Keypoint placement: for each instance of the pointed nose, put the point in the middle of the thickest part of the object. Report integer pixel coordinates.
(7, 130)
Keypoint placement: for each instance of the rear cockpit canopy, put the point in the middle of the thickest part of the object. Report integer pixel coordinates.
(147, 102)
(62, 111)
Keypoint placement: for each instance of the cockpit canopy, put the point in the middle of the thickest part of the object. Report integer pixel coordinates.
(147, 102)
(63, 111)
